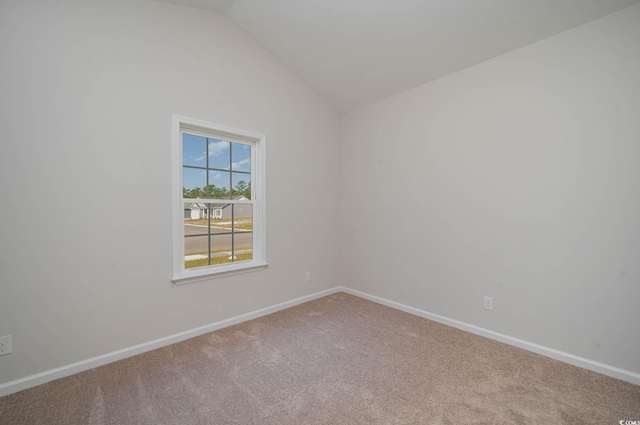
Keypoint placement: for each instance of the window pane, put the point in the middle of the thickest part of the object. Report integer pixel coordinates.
(241, 185)
(243, 217)
(195, 250)
(241, 155)
(219, 212)
(193, 182)
(219, 154)
(196, 245)
(195, 218)
(221, 246)
(219, 184)
(243, 231)
(194, 150)
(191, 211)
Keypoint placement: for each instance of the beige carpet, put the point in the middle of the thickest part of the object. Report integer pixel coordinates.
(336, 360)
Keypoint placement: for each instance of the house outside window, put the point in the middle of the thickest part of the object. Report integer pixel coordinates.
(219, 198)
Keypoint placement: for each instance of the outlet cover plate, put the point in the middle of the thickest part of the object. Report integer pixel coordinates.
(488, 303)
(5, 345)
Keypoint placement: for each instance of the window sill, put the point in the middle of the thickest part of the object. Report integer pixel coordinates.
(200, 275)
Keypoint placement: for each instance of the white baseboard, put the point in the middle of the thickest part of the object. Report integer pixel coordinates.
(582, 362)
(60, 372)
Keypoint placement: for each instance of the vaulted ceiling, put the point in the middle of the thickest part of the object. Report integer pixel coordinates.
(355, 52)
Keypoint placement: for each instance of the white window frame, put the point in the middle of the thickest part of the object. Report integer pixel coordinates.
(258, 186)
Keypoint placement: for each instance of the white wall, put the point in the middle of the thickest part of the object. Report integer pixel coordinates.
(518, 178)
(87, 90)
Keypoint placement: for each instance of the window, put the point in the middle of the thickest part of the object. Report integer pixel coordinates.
(219, 218)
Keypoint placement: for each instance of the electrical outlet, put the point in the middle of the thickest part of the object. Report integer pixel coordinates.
(307, 277)
(5, 345)
(488, 303)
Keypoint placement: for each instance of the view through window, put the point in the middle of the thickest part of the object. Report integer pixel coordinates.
(218, 212)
